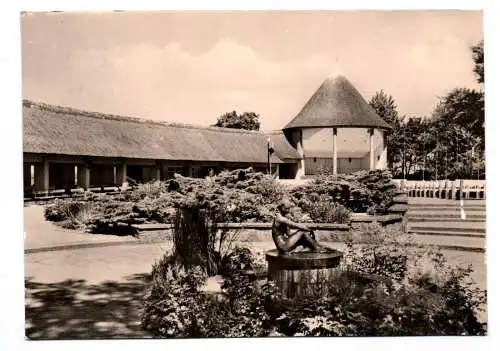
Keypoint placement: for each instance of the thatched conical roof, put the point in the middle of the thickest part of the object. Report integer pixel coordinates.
(337, 103)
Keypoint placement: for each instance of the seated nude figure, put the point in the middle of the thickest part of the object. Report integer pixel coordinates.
(285, 241)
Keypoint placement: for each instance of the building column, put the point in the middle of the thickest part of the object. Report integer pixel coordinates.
(334, 151)
(42, 176)
(301, 171)
(121, 174)
(27, 175)
(83, 175)
(159, 166)
(372, 153)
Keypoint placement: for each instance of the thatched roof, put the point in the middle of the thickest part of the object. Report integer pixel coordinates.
(337, 103)
(52, 129)
(282, 148)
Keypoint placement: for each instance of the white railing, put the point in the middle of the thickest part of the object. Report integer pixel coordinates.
(444, 189)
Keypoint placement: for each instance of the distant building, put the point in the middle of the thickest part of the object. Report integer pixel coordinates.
(64, 148)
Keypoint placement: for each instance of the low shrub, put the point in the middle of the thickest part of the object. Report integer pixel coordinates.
(73, 214)
(177, 306)
(61, 210)
(364, 191)
(323, 210)
(174, 303)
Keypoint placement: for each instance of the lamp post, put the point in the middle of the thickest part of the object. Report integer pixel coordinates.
(446, 164)
(404, 152)
(270, 150)
(423, 153)
(435, 156)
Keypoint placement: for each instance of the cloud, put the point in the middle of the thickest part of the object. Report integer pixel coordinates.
(171, 83)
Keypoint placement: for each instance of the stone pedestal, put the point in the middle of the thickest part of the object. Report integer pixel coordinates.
(304, 274)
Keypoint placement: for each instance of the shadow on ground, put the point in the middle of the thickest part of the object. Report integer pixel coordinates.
(73, 309)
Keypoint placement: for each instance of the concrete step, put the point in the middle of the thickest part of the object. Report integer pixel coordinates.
(448, 233)
(452, 216)
(465, 227)
(446, 206)
(441, 213)
(413, 219)
(476, 244)
(434, 201)
(450, 226)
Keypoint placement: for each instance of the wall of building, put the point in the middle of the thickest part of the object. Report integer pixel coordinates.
(349, 140)
(349, 165)
(317, 139)
(65, 175)
(351, 143)
(318, 165)
(102, 175)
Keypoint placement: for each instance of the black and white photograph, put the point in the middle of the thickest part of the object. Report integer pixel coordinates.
(253, 174)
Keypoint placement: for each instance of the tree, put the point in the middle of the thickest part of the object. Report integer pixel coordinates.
(464, 107)
(414, 142)
(459, 118)
(449, 144)
(385, 106)
(478, 57)
(247, 120)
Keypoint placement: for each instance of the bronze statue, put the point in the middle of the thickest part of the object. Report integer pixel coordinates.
(285, 241)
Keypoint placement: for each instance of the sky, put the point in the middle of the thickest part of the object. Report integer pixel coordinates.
(193, 67)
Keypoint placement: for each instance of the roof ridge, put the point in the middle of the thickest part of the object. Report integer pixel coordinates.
(115, 117)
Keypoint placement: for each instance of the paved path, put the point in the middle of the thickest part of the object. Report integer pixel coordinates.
(39, 233)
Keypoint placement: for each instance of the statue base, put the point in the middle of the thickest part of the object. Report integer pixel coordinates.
(303, 274)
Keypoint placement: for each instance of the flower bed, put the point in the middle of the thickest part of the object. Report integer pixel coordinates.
(384, 288)
(241, 196)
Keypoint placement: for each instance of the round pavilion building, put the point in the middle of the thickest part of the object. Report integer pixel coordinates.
(337, 132)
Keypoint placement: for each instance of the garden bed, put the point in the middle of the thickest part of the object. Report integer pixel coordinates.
(241, 196)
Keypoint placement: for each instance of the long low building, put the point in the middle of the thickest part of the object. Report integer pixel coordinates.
(64, 148)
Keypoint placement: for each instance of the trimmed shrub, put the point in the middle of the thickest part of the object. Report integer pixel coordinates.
(364, 191)
(323, 210)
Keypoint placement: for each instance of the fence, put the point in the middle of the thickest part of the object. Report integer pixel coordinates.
(444, 189)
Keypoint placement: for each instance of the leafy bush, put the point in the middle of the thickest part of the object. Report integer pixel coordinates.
(323, 210)
(176, 305)
(198, 241)
(173, 304)
(61, 210)
(362, 191)
(72, 214)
